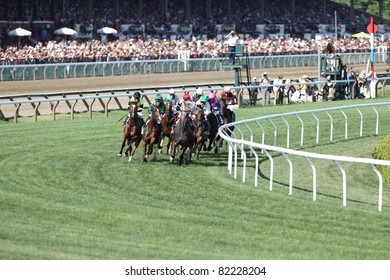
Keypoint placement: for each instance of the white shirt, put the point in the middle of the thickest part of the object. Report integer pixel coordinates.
(232, 40)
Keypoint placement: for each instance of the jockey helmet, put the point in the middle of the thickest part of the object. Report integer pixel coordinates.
(132, 100)
(137, 95)
(171, 91)
(212, 95)
(186, 96)
(226, 89)
(199, 91)
(158, 97)
(203, 98)
(168, 98)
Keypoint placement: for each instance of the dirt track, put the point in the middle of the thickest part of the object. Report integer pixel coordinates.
(143, 80)
(132, 81)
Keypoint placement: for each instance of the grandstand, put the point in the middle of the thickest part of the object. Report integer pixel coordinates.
(158, 16)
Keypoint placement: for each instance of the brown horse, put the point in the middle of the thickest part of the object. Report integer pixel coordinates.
(131, 133)
(151, 134)
(168, 119)
(183, 138)
(228, 117)
(213, 122)
(200, 137)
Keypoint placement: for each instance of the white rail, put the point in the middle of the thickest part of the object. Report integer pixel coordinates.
(242, 142)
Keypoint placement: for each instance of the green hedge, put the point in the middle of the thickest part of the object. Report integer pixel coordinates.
(382, 151)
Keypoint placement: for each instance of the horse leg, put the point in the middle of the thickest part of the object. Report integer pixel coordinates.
(169, 145)
(182, 155)
(144, 147)
(160, 145)
(121, 150)
(173, 152)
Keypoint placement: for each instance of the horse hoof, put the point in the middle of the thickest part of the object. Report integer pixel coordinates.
(171, 159)
(130, 158)
(119, 155)
(160, 151)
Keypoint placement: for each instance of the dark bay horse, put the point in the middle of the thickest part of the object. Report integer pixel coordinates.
(151, 134)
(200, 137)
(167, 121)
(131, 133)
(183, 138)
(213, 122)
(228, 117)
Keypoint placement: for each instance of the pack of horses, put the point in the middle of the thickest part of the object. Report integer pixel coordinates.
(186, 140)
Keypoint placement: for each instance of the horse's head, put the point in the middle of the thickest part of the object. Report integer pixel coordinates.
(133, 109)
(200, 115)
(168, 107)
(156, 113)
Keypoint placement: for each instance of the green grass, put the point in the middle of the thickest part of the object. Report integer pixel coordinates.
(64, 194)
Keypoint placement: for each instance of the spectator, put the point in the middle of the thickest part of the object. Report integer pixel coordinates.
(254, 91)
(232, 41)
(278, 90)
(266, 90)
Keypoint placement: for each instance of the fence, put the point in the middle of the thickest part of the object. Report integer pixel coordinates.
(120, 68)
(243, 135)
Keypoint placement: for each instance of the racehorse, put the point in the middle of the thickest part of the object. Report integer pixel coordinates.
(168, 119)
(228, 117)
(200, 137)
(213, 122)
(183, 138)
(151, 134)
(131, 133)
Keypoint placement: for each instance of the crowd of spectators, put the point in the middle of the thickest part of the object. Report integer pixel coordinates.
(140, 49)
(44, 47)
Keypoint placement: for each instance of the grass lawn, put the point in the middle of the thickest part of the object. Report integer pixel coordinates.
(64, 194)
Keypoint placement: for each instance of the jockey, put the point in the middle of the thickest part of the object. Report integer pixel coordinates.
(229, 96)
(205, 106)
(197, 95)
(168, 98)
(136, 100)
(158, 102)
(175, 99)
(188, 107)
(216, 107)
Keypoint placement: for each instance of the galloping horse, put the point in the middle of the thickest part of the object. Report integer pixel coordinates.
(183, 137)
(131, 132)
(213, 122)
(200, 137)
(168, 119)
(151, 134)
(228, 117)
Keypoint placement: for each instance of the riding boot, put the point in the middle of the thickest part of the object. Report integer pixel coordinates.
(220, 119)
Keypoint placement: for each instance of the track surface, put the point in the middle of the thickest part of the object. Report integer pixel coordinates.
(148, 80)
